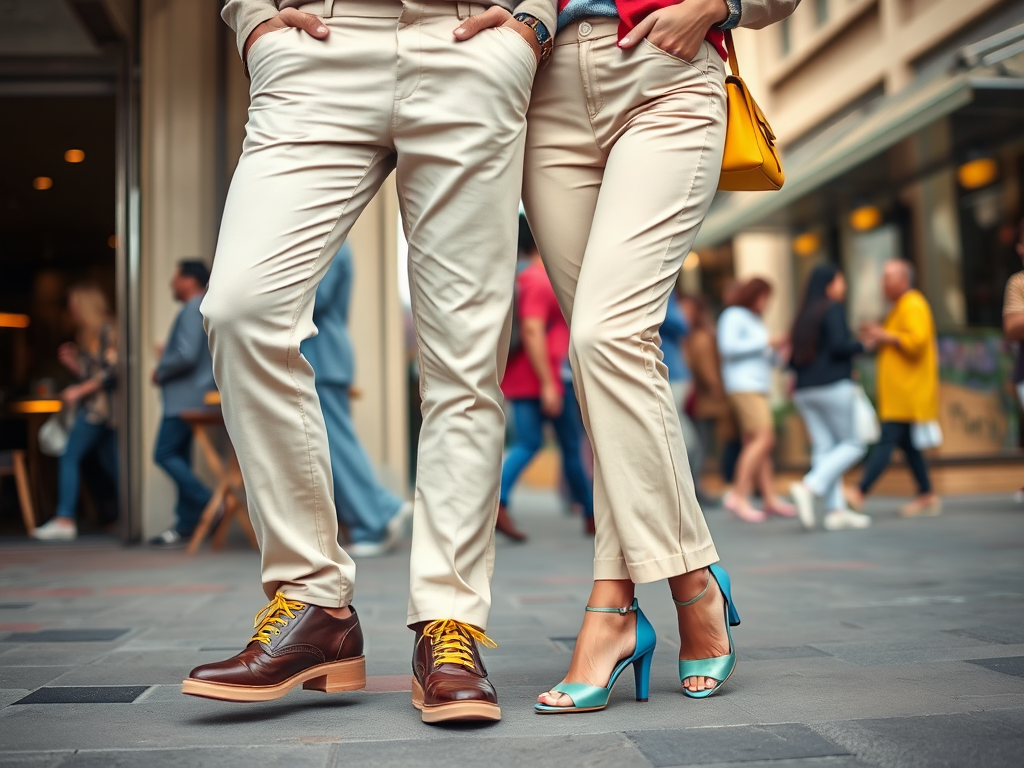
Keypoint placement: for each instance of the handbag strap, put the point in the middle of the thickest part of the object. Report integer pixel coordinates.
(734, 65)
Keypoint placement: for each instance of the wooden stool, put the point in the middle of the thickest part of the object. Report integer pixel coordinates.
(229, 490)
(19, 470)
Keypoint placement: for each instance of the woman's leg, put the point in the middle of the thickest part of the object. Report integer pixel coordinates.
(649, 525)
(526, 441)
(881, 454)
(83, 438)
(603, 640)
(757, 446)
(916, 462)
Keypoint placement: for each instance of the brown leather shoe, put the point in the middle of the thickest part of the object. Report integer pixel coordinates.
(505, 525)
(295, 644)
(449, 681)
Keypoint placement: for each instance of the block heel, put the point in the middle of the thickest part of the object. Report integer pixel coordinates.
(349, 675)
(642, 674)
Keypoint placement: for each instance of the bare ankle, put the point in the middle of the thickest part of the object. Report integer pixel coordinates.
(339, 613)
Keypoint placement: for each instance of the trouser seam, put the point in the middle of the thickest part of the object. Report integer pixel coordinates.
(291, 336)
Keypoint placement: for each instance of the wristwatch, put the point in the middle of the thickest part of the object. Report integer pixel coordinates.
(733, 19)
(547, 43)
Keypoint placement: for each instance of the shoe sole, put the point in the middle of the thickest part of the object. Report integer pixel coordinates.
(455, 711)
(338, 676)
(549, 710)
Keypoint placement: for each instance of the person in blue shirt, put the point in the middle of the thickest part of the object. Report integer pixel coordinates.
(673, 331)
(184, 375)
(376, 519)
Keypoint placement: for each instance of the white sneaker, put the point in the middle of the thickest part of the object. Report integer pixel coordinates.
(57, 529)
(804, 500)
(398, 529)
(400, 525)
(368, 549)
(844, 519)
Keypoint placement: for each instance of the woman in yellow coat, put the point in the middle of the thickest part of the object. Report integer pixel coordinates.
(908, 385)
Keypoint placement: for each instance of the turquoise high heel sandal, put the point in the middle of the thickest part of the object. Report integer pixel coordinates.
(719, 668)
(590, 698)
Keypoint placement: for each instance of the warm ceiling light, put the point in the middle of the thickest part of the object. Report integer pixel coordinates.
(975, 174)
(42, 182)
(8, 320)
(866, 217)
(37, 406)
(74, 156)
(692, 261)
(806, 244)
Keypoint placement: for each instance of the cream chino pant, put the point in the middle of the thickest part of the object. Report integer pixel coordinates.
(390, 88)
(623, 155)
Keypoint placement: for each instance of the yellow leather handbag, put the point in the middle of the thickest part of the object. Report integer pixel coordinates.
(751, 162)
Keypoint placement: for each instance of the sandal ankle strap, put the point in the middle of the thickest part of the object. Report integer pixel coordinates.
(621, 611)
(693, 600)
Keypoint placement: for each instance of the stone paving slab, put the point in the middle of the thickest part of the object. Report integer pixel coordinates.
(899, 645)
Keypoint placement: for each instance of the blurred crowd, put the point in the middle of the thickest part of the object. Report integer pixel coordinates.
(730, 379)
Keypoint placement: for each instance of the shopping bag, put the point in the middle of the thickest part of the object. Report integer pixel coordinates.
(926, 435)
(53, 434)
(865, 420)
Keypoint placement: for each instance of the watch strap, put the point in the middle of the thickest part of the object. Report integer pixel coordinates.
(544, 38)
(735, 11)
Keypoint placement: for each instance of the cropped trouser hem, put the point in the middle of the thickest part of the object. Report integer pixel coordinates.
(476, 617)
(307, 594)
(655, 570)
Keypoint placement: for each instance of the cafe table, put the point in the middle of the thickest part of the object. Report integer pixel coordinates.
(229, 493)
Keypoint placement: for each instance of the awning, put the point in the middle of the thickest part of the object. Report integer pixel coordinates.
(846, 147)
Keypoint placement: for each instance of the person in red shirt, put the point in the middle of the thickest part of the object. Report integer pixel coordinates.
(537, 389)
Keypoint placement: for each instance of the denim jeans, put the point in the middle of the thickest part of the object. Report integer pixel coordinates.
(896, 433)
(173, 454)
(528, 423)
(84, 439)
(828, 414)
(364, 506)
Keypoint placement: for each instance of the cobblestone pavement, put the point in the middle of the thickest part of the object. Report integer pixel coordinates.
(902, 645)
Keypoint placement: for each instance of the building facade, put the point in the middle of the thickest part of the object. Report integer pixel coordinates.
(152, 94)
(901, 124)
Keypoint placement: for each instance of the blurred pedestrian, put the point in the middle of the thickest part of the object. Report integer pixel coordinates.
(825, 394)
(534, 388)
(375, 518)
(908, 385)
(709, 405)
(92, 361)
(673, 333)
(1013, 326)
(748, 355)
(185, 376)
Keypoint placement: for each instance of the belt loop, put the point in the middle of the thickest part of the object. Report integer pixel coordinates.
(464, 11)
(328, 9)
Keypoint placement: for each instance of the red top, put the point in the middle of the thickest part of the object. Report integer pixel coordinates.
(632, 12)
(536, 299)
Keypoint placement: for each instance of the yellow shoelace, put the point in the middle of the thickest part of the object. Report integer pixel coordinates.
(453, 641)
(271, 618)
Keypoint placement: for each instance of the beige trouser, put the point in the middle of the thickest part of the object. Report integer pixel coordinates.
(329, 120)
(623, 155)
